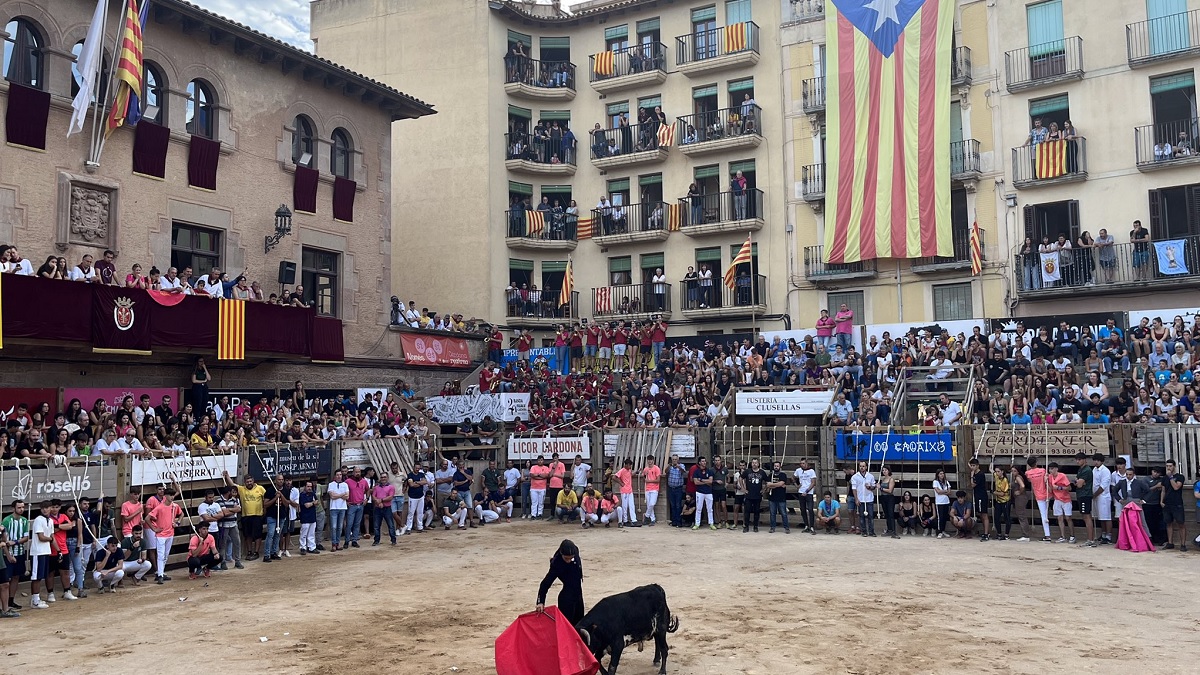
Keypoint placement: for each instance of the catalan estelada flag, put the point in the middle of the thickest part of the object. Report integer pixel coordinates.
(675, 215)
(888, 107)
(231, 330)
(743, 257)
(129, 67)
(1050, 159)
(602, 63)
(568, 285)
(735, 38)
(976, 249)
(535, 222)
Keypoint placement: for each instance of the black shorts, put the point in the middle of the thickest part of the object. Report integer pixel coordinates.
(16, 568)
(1085, 506)
(721, 497)
(252, 527)
(981, 507)
(577, 352)
(59, 563)
(739, 500)
(5, 575)
(1173, 514)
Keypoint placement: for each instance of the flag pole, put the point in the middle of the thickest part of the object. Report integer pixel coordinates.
(91, 163)
(116, 55)
(753, 288)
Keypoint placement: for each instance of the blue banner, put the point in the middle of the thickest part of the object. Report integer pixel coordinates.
(538, 354)
(1171, 256)
(895, 447)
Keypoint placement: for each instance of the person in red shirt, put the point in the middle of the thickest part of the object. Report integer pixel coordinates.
(488, 381)
(577, 337)
(633, 344)
(606, 342)
(539, 476)
(496, 346)
(620, 337)
(646, 334)
(524, 344)
(628, 508)
(558, 470)
(658, 339)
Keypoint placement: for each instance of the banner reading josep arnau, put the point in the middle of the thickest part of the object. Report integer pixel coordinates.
(291, 462)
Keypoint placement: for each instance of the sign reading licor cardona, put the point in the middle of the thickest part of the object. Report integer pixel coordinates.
(566, 447)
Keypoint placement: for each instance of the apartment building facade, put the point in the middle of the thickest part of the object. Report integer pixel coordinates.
(514, 77)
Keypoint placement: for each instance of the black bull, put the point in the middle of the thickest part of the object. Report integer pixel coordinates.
(623, 619)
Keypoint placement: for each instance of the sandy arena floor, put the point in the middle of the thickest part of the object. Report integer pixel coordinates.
(747, 603)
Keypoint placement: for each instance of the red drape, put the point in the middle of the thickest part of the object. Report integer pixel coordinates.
(304, 189)
(327, 340)
(47, 309)
(25, 119)
(150, 149)
(203, 154)
(121, 318)
(343, 199)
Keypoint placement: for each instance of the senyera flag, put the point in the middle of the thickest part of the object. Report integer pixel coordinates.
(888, 106)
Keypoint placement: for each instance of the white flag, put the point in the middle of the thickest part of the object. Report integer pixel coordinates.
(89, 68)
(1050, 270)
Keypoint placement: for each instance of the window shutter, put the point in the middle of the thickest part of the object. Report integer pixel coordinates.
(704, 14)
(556, 189)
(647, 25)
(617, 108)
(616, 32)
(653, 261)
(652, 179)
(1156, 224)
(741, 85)
(649, 102)
(734, 248)
(702, 92)
(523, 265)
(520, 188)
(618, 185)
(1073, 219)
(708, 254)
(1045, 23)
(1030, 225)
(1166, 83)
(555, 115)
(555, 42)
(707, 172)
(1047, 105)
(745, 167)
(514, 36)
(622, 264)
(554, 266)
(516, 111)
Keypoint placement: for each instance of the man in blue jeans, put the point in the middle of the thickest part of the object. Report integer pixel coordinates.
(778, 496)
(676, 478)
(339, 493)
(277, 514)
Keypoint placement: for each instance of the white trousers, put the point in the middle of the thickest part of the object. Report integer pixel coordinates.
(137, 569)
(162, 546)
(704, 501)
(537, 500)
(416, 515)
(308, 536)
(427, 519)
(1042, 505)
(486, 515)
(113, 579)
(628, 508)
(608, 517)
(651, 502)
(460, 516)
(591, 518)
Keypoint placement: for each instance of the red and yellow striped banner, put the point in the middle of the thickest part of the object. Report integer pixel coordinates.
(535, 222)
(1050, 159)
(735, 38)
(129, 67)
(603, 64)
(231, 330)
(888, 106)
(585, 228)
(666, 135)
(976, 249)
(675, 216)
(568, 286)
(743, 256)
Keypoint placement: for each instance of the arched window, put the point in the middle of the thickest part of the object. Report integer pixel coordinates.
(302, 142)
(23, 53)
(154, 93)
(201, 114)
(101, 84)
(342, 164)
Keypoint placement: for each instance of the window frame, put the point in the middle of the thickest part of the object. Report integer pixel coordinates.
(939, 301)
(304, 139)
(342, 149)
(311, 274)
(34, 73)
(194, 251)
(154, 72)
(855, 299)
(202, 104)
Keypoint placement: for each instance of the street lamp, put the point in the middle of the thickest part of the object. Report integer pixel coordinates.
(283, 227)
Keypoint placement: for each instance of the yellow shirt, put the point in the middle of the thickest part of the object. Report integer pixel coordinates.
(252, 500)
(199, 441)
(567, 499)
(1001, 491)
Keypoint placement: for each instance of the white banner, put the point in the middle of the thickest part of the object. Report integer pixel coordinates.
(683, 445)
(566, 447)
(1050, 270)
(182, 469)
(453, 409)
(782, 403)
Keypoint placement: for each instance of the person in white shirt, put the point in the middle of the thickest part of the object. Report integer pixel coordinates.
(863, 484)
(581, 473)
(130, 445)
(512, 480)
(20, 266)
(1102, 483)
(210, 512)
(338, 492)
(170, 281)
(806, 481)
(941, 500)
(41, 551)
(229, 444)
(951, 413)
(84, 271)
(108, 445)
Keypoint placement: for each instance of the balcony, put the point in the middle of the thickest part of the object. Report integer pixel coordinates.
(705, 52)
(539, 309)
(634, 66)
(964, 160)
(960, 67)
(719, 130)
(1040, 65)
(747, 298)
(541, 230)
(817, 270)
(1121, 269)
(627, 146)
(525, 153)
(812, 181)
(1167, 146)
(804, 11)
(723, 213)
(539, 80)
(632, 302)
(630, 224)
(812, 95)
(960, 260)
(1168, 37)
(1049, 163)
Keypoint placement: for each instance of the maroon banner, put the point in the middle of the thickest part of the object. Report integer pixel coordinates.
(150, 149)
(189, 324)
(121, 319)
(10, 399)
(343, 199)
(327, 340)
(27, 114)
(266, 332)
(47, 309)
(304, 190)
(203, 154)
(426, 350)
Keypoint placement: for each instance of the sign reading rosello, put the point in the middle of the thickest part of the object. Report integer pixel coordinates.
(1040, 440)
(566, 447)
(782, 403)
(65, 483)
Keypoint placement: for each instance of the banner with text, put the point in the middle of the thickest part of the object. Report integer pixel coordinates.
(291, 462)
(566, 447)
(1024, 440)
(454, 409)
(427, 350)
(59, 482)
(782, 403)
(181, 469)
(870, 447)
(545, 354)
(682, 444)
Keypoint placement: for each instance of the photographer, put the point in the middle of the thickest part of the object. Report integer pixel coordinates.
(397, 312)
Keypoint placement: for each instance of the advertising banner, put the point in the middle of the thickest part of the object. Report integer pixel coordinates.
(454, 409)
(291, 462)
(566, 447)
(543, 354)
(10, 398)
(67, 483)
(868, 447)
(682, 444)
(114, 395)
(1054, 440)
(181, 469)
(427, 350)
(782, 403)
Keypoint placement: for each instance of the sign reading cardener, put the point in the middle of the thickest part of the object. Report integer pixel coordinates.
(782, 403)
(1033, 441)
(566, 447)
(66, 483)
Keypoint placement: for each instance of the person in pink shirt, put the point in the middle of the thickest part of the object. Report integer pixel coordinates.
(1061, 485)
(558, 473)
(653, 475)
(1036, 477)
(202, 554)
(381, 501)
(843, 326)
(357, 486)
(539, 476)
(131, 511)
(163, 519)
(825, 329)
(608, 506)
(590, 505)
(628, 510)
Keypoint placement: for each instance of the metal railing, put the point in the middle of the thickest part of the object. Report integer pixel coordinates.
(709, 44)
(625, 140)
(816, 267)
(542, 225)
(812, 94)
(633, 59)
(812, 180)
(537, 304)
(721, 207)
(629, 218)
(647, 298)
(1163, 37)
(960, 66)
(961, 239)
(1118, 264)
(964, 157)
(541, 74)
(1166, 143)
(1050, 61)
(717, 124)
(537, 149)
(1049, 160)
(748, 291)
(808, 10)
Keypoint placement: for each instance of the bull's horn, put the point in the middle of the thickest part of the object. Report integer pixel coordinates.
(673, 624)
(587, 638)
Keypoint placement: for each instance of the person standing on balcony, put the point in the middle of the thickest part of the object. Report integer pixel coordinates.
(706, 284)
(738, 187)
(626, 133)
(568, 142)
(696, 201)
(1108, 254)
(659, 286)
(1047, 247)
(1066, 260)
(1038, 134)
(843, 326)
(1070, 135)
(599, 142)
(748, 106)
(1084, 260)
(1140, 238)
